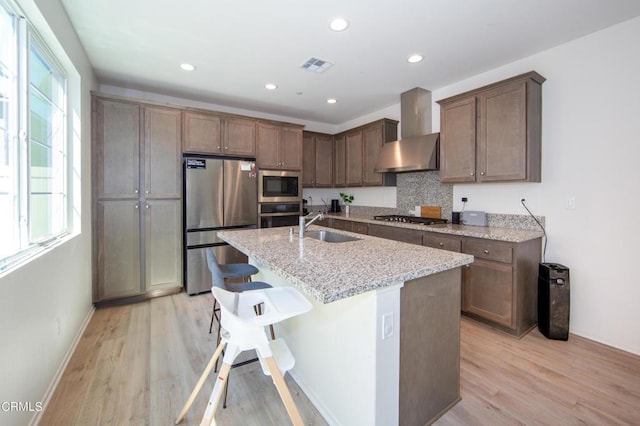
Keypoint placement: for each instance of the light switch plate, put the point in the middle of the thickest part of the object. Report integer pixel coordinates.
(387, 325)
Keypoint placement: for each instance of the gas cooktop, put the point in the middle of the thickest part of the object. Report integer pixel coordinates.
(410, 219)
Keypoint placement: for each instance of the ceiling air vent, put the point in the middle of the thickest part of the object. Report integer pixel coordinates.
(316, 65)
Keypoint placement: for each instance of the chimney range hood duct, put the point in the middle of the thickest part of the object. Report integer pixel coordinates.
(419, 149)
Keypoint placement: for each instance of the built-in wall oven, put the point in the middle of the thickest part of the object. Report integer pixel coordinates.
(279, 198)
(272, 215)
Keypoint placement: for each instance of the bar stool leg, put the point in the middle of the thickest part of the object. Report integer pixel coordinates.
(283, 391)
(203, 378)
(213, 314)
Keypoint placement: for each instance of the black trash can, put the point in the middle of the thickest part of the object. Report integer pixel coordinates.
(553, 301)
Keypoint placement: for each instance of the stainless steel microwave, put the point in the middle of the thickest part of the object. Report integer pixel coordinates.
(276, 186)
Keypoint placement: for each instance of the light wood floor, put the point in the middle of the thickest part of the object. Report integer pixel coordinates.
(136, 365)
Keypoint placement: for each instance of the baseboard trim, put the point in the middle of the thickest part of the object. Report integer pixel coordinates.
(35, 420)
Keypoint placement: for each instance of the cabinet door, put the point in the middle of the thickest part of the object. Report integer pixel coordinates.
(162, 152)
(339, 161)
(442, 241)
(118, 249)
(323, 161)
(502, 133)
(291, 148)
(353, 156)
(202, 133)
(163, 244)
(372, 145)
(458, 141)
(308, 160)
(117, 148)
(239, 137)
(487, 291)
(268, 156)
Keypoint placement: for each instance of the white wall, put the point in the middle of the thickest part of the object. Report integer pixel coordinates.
(44, 303)
(590, 149)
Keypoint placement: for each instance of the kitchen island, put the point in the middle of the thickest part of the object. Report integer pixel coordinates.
(381, 345)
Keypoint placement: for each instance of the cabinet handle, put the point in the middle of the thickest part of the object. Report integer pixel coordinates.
(135, 191)
(219, 147)
(136, 206)
(485, 251)
(472, 174)
(226, 148)
(146, 206)
(441, 244)
(481, 173)
(146, 192)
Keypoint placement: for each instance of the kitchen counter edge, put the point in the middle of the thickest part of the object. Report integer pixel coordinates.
(484, 232)
(345, 281)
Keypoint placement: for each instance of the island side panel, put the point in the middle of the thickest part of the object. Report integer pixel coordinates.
(339, 353)
(429, 347)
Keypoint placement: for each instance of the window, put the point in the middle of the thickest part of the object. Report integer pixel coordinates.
(34, 189)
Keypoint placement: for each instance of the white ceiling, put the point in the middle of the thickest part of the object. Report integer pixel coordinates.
(239, 45)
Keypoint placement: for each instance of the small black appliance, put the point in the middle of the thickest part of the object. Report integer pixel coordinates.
(335, 206)
(553, 301)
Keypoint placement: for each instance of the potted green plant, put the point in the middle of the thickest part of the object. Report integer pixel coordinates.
(347, 199)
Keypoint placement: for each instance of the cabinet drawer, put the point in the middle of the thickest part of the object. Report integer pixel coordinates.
(360, 228)
(441, 241)
(345, 225)
(499, 252)
(398, 234)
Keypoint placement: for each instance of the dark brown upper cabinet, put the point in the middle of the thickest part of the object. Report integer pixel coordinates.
(493, 133)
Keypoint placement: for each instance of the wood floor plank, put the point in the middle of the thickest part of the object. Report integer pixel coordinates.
(535, 380)
(137, 365)
(134, 383)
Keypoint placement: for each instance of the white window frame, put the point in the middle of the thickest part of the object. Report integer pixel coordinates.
(22, 246)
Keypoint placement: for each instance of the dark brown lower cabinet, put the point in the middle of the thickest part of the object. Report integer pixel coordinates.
(404, 235)
(500, 288)
(487, 291)
(344, 225)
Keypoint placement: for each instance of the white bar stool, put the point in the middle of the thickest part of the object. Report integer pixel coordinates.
(244, 330)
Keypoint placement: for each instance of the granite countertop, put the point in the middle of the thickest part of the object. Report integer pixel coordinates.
(332, 271)
(486, 232)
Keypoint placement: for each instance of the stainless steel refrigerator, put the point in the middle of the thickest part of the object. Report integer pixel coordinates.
(219, 194)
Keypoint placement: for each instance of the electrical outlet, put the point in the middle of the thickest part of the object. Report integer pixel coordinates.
(387, 325)
(465, 199)
(571, 203)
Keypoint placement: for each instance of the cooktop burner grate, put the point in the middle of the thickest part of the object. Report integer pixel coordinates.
(410, 219)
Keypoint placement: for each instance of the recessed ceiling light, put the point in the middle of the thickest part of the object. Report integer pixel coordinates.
(187, 67)
(414, 58)
(332, 101)
(338, 24)
(270, 86)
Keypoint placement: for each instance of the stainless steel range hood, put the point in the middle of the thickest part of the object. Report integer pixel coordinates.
(419, 149)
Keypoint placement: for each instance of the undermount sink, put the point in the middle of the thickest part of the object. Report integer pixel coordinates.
(330, 237)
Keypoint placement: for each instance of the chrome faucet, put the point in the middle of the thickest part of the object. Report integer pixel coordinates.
(304, 224)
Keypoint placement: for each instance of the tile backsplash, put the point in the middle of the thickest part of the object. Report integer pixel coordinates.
(424, 189)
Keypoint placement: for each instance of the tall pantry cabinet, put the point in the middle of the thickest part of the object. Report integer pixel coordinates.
(137, 215)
